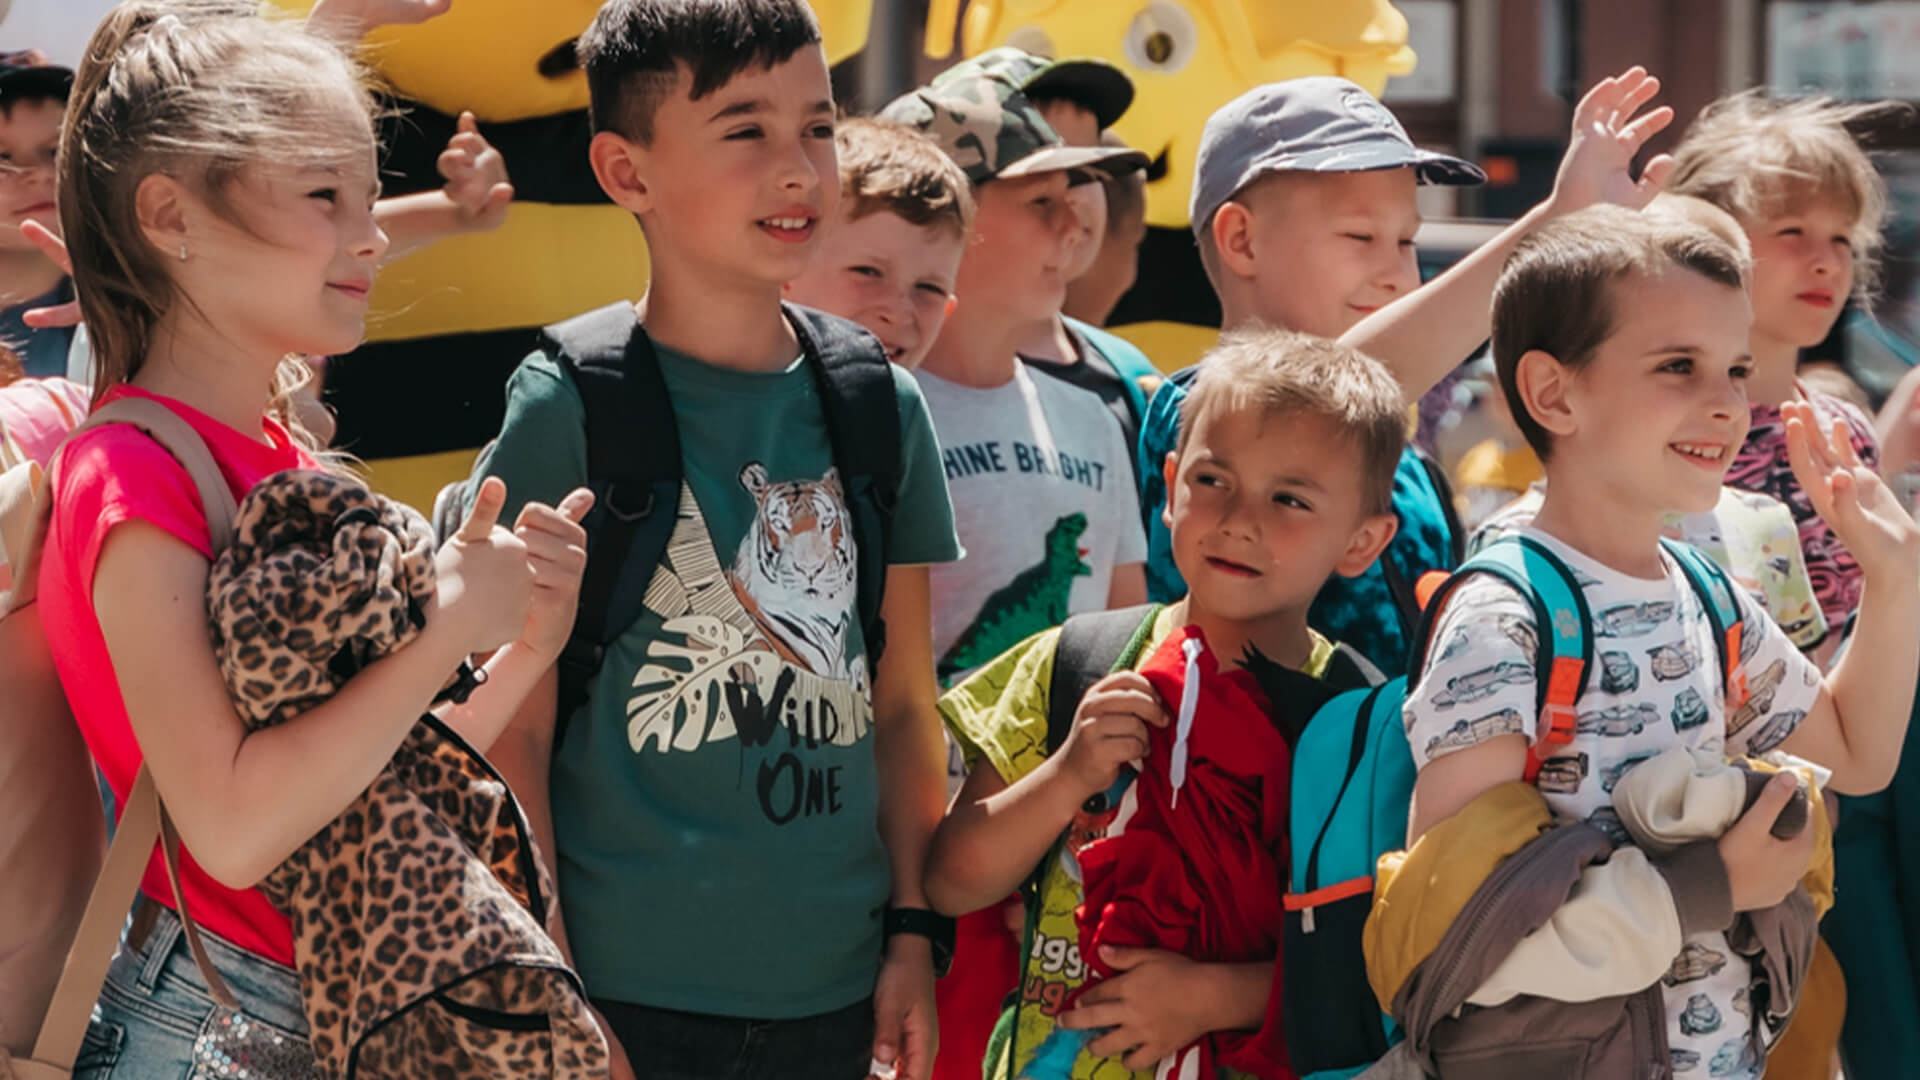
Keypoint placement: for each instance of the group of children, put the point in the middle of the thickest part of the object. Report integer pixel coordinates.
(851, 447)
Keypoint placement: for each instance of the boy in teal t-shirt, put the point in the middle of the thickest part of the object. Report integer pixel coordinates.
(743, 796)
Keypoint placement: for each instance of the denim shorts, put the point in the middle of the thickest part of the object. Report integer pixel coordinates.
(666, 1045)
(156, 1021)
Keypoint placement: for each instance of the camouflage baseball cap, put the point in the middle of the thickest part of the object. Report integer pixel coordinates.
(977, 112)
(1100, 87)
(1317, 124)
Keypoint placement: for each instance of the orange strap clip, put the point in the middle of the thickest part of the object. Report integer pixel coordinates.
(1558, 721)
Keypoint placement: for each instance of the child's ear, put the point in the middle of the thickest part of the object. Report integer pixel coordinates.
(1169, 469)
(619, 164)
(1544, 383)
(1232, 232)
(1366, 544)
(160, 205)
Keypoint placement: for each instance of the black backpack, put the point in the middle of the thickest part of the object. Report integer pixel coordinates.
(634, 470)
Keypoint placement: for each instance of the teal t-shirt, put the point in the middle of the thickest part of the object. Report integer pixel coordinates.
(715, 802)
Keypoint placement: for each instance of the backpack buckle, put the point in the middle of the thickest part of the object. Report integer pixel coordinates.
(644, 510)
(1558, 724)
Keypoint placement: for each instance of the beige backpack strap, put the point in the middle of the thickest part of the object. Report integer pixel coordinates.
(93, 946)
(166, 427)
(144, 821)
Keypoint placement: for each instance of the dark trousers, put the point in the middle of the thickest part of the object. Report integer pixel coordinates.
(666, 1045)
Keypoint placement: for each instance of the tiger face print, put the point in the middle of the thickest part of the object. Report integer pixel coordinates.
(796, 569)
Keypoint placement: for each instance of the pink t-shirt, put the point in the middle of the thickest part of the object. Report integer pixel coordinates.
(38, 413)
(112, 475)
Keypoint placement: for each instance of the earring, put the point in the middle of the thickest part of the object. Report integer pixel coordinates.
(183, 253)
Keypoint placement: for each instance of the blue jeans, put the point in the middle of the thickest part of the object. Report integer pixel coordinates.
(667, 1045)
(156, 1021)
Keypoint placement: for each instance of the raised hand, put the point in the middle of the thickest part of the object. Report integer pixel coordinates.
(348, 20)
(1862, 511)
(1606, 136)
(54, 248)
(476, 176)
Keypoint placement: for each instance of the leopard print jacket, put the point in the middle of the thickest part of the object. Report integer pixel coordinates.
(419, 913)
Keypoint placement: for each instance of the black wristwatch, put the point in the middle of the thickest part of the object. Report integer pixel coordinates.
(933, 926)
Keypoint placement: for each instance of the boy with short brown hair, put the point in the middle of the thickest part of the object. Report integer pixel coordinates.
(889, 255)
(1280, 481)
(1621, 342)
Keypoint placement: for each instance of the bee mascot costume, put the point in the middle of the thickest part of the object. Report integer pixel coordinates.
(1187, 58)
(451, 321)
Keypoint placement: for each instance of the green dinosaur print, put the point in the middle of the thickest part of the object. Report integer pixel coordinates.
(1035, 600)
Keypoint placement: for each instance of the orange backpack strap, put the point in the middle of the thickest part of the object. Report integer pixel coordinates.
(1720, 599)
(1564, 629)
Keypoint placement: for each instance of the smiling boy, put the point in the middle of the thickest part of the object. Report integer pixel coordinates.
(892, 249)
(33, 101)
(1622, 343)
(741, 779)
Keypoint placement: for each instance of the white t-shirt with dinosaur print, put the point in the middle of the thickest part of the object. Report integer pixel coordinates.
(1655, 683)
(1044, 504)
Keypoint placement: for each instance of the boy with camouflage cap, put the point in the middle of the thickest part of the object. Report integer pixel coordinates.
(1037, 469)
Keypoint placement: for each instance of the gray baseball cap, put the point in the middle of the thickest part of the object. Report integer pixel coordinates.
(1317, 124)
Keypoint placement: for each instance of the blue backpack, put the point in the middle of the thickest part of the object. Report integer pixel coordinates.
(1353, 776)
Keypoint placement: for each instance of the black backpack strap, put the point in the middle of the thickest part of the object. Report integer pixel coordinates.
(862, 411)
(633, 469)
(1091, 647)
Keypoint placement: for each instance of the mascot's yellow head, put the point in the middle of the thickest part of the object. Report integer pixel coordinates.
(1188, 58)
(513, 59)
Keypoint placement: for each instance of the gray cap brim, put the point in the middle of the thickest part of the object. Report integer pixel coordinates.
(1109, 159)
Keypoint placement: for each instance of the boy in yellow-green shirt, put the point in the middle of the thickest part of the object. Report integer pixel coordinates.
(1281, 480)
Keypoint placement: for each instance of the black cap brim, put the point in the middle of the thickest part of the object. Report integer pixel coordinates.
(1101, 88)
(46, 81)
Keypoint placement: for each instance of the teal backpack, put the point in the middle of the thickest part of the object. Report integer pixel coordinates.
(1353, 776)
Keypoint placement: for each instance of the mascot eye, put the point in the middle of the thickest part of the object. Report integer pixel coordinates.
(1032, 39)
(1161, 38)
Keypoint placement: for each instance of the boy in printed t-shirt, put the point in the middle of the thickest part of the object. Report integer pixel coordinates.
(1280, 481)
(889, 255)
(1304, 210)
(1080, 99)
(739, 810)
(1043, 498)
(1621, 342)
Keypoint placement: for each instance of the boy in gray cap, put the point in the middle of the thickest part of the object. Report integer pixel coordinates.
(1304, 212)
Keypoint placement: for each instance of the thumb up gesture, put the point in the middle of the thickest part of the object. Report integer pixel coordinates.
(557, 555)
(485, 577)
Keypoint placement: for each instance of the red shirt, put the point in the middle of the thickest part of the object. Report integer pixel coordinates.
(117, 474)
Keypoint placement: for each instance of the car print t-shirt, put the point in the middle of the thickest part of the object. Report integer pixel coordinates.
(1752, 536)
(1043, 500)
(715, 800)
(1655, 683)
